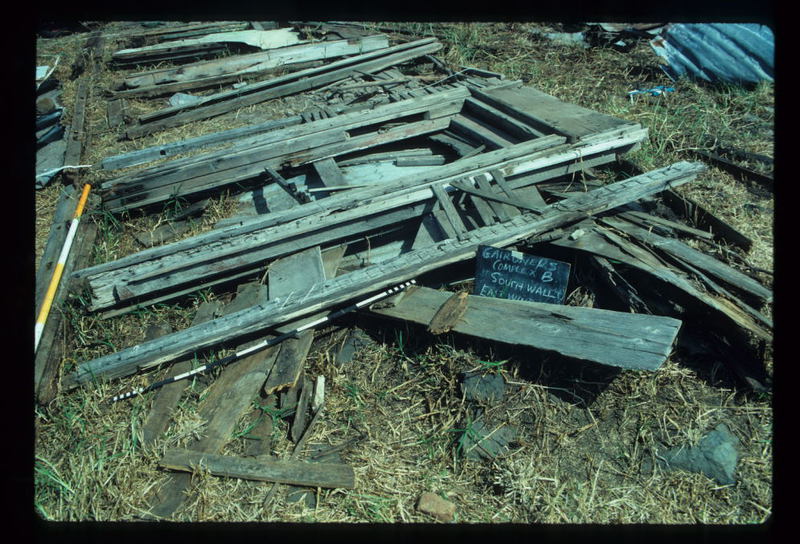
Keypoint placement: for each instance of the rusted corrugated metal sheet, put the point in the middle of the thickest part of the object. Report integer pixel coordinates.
(729, 52)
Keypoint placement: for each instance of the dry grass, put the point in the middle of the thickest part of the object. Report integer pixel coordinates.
(584, 432)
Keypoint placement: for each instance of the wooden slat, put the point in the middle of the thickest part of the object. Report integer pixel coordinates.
(74, 135)
(205, 74)
(697, 258)
(606, 244)
(329, 172)
(621, 339)
(281, 86)
(546, 113)
(50, 353)
(302, 473)
(479, 132)
(382, 275)
(123, 282)
(495, 117)
(450, 211)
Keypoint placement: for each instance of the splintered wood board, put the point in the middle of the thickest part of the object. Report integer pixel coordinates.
(620, 339)
(547, 111)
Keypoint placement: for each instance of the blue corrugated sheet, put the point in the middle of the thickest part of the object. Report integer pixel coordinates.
(729, 52)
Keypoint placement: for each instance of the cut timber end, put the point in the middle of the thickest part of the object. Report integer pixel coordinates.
(449, 313)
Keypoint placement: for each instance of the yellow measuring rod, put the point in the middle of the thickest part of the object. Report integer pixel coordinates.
(62, 259)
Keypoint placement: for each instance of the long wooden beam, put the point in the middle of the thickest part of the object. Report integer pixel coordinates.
(344, 288)
(302, 80)
(621, 339)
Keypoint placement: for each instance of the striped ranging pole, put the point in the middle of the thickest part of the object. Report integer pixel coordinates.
(266, 343)
(62, 259)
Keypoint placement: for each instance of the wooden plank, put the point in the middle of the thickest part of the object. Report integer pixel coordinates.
(49, 355)
(302, 473)
(329, 172)
(167, 398)
(705, 262)
(124, 287)
(518, 196)
(300, 420)
(450, 211)
(227, 400)
(503, 206)
(277, 87)
(246, 166)
(428, 232)
(149, 154)
(722, 231)
(650, 220)
(205, 74)
(502, 210)
(370, 279)
(546, 113)
(295, 276)
(513, 161)
(62, 216)
(113, 283)
(74, 135)
(606, 244)
(495, 117)
(620, 339)
(205, 45)
(479, 132)
(115, 113)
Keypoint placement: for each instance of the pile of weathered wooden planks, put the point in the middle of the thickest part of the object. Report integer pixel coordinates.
(395, 178)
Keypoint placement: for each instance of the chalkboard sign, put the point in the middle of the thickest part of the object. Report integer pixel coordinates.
(501, 273)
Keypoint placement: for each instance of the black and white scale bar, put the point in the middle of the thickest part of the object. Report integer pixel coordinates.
(266, 343)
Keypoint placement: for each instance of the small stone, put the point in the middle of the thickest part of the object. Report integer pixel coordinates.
(715, 456)
(483, 387)
(434, 505)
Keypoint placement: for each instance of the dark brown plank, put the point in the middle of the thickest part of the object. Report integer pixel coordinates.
(167, 398)
(326, 475)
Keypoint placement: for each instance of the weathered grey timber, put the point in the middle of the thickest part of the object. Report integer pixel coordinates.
(497, 118)
(294, 145)
(167, 398)
(294, 229)
(271, 132)
(48, 358)
(205, 45)
(697, 258)
(65, 209)
(648, 220)
(206, 74)
(302, 80)
(621, 339)
(480, 132)
(228, 399)
(302, 473)
(546, 113)
(605, 243)
(75, 136)
(163, 188)
(149, 154)
(348, 286)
